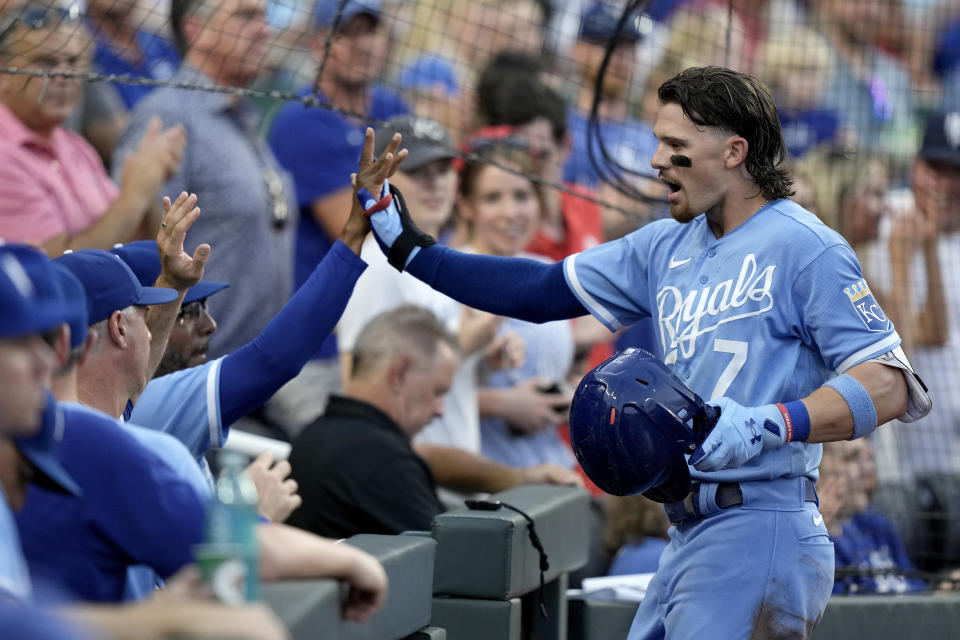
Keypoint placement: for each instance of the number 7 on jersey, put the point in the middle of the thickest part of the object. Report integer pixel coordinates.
(738, 350)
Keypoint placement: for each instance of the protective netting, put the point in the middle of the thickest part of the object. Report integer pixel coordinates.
(862, 87)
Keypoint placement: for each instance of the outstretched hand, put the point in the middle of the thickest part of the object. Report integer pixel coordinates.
(373, 171)
(180, 270)
(367, 185)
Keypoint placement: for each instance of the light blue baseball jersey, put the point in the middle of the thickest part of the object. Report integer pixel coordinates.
(14, 576)
(185, 404)
(767, 313)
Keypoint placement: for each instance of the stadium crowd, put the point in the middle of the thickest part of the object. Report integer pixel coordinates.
(178, 263)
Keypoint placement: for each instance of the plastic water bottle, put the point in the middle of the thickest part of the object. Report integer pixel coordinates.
(229, 557)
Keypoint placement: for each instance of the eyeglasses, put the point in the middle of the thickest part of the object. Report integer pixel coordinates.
(279, 210)
(36, 16)
(192, 312)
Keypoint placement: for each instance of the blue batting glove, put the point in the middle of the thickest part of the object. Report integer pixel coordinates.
(394, 229)
(740, 435)
(385, 222)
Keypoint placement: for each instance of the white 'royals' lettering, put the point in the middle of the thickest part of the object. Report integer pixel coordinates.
(682, 317)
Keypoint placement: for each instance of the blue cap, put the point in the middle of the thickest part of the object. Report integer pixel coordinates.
(143, 257)
(428, 71)
(29, 295)
(109, 283)
(74, 304)
(326, 11)
(598, 23)
(39, 448)
(941, 138)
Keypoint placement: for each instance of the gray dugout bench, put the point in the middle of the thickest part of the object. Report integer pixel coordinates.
(311, 608)
(487, 573)
(476, 575)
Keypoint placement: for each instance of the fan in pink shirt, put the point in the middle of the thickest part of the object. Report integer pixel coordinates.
(54, 191)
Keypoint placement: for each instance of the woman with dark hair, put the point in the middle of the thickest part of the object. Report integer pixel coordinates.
(499, 209)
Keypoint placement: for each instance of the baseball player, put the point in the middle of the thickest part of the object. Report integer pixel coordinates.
(759, 307)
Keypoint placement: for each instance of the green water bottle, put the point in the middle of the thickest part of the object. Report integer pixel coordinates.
(229, 556)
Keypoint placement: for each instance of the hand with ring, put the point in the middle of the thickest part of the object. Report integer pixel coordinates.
(180, 270)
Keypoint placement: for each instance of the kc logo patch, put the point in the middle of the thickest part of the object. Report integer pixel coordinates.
(866, 306)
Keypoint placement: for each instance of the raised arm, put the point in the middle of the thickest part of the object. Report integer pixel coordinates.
(179, 270)
(516, 287)
(253, 373)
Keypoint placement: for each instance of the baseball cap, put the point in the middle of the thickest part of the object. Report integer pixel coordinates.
(598, 23)
(74, 304)
(424, 139)
(29, 295)
(109, 283)
(941, 138)
(143, 258)
(326, 11)
(428, 71)
(39, 448)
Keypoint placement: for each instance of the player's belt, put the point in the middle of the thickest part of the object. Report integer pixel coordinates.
(729, 494)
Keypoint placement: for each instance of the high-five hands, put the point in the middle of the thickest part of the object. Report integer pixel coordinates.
(394, 229)
(371, 177)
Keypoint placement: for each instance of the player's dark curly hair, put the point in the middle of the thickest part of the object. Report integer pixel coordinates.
(741, 104)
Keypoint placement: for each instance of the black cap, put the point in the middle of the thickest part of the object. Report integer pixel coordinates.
(424, 139)
(941, 139)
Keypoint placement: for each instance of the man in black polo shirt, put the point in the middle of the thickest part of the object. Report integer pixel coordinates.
(355, 466)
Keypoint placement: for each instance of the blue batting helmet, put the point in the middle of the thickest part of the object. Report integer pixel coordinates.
(631, 422)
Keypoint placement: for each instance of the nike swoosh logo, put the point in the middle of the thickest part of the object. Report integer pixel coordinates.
(677, 263)
(817, 520)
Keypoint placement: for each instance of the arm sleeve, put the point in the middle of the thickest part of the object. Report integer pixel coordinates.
(379, 289)
(254, 372)
(516, 287)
